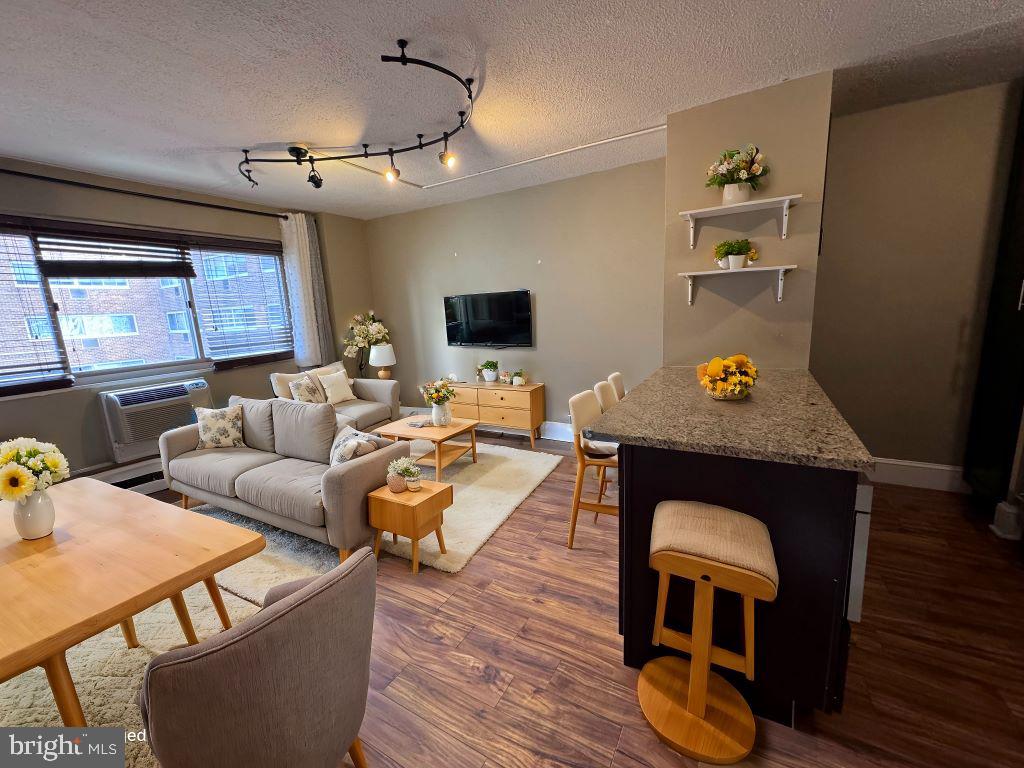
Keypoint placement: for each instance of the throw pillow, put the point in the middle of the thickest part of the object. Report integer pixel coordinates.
(220, 427)
(350, 443)
(337, 387)
(305, 390)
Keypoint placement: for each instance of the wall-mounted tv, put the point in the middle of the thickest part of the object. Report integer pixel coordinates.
(489, 319)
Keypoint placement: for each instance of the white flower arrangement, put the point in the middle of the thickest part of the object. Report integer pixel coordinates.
(737, 166)
(404, 467)
(28, 465)
(365, 331)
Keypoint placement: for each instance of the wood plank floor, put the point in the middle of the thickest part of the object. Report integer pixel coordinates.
(516, 662)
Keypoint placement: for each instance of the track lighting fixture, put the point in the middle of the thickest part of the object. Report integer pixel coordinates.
(314, 177)
(300, 153)
(447, 158)
(392, 173)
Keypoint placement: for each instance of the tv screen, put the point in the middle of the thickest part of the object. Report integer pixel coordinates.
(489, 319)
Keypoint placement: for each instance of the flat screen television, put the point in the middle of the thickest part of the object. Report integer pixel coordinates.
(489, 319)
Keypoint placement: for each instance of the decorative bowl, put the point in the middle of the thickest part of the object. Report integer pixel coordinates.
(730, 396)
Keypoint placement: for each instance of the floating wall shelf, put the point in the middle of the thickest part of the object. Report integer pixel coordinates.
(692, 277)
(782, 203)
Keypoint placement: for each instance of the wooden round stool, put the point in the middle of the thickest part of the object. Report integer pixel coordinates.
(692, 709)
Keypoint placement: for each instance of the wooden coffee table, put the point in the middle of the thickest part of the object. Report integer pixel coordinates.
(413, 514)
(444, 453)
(112, 554)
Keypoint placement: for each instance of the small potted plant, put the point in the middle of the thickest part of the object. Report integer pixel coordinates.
(736, 172)
(735, 254)
(729, 378)
(406, 469)
(519, 377)
(489, 368)
(438, 395)
(27, 468)
(505, 377)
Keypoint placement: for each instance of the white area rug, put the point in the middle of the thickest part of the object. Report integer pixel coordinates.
(485, 495)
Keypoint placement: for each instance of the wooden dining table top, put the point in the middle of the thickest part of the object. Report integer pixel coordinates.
(112, 553)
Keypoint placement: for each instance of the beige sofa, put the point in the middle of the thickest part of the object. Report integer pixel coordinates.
(281, 475)
(376, 401)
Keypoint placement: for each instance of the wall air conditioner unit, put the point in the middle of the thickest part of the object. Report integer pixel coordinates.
(137, 417)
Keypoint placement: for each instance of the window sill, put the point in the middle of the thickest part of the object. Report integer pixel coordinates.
(241, 362)
(39, 385)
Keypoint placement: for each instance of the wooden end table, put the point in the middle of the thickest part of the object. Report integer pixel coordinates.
(413, 514)
(444, 453)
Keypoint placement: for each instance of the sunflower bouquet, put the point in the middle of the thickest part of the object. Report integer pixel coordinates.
(28, 465)
(729, 378)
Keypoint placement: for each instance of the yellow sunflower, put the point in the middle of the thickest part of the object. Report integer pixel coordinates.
(715, 367)
(16, 482)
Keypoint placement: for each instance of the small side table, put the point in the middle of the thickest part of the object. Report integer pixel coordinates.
(413, 514)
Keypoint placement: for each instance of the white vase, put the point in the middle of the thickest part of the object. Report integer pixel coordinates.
(441, 415)
(737, 260)
(722, 263)
(34, 516)
(735, 193)
(490, 375)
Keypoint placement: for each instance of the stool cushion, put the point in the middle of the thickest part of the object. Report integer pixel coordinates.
(714, 533)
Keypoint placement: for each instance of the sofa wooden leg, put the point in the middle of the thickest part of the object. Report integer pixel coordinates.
(184, 501)
(356, 753)
(343, 555)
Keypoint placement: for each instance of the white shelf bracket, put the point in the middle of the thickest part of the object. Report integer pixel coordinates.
(785, 232)
(782, 282)
(693, 233)
(689, 291)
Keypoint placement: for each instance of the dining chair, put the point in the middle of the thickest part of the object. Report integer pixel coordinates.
(584, 410)
(615, 380)
(287, 686)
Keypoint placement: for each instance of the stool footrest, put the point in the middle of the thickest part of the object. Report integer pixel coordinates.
(681, 641)
(604, 509)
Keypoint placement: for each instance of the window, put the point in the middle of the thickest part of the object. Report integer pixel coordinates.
(224, 266)
(177, 322)
(25, 273)
(102, 302)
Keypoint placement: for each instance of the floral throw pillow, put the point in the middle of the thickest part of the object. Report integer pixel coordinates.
(220, 427)
(350, 443)
(305, 390)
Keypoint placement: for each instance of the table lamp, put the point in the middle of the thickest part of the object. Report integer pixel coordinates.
(382, 356)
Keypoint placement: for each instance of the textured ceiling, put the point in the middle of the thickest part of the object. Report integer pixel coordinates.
(166, 92)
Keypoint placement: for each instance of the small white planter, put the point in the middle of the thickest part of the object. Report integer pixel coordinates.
(737, 260)
(34, 516)
(490, 375)
(735, 193)
(722, 263)
(518, 381)
(412, 483)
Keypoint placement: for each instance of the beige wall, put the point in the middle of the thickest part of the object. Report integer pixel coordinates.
(789, 122)
(589, 249)
(345, 258)
(72, 418)
(912, 212)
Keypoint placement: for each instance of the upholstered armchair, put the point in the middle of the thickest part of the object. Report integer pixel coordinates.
(286, 686)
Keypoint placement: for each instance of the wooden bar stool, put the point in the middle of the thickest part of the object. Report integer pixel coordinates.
(584, 410)
(692, 709)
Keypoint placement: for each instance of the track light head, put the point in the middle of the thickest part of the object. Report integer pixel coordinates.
(447, 159)
(392, 174)
(314, 177)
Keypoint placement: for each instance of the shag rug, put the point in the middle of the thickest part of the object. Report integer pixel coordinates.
(108, 674)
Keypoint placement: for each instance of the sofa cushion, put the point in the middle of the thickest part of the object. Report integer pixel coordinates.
(363, 413)
(257, 422)
(217, 469)
(289, 487)
(304, 430)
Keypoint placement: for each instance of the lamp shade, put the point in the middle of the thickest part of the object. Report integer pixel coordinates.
(382, 355)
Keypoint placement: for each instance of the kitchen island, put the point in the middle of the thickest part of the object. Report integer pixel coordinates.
(783, 455)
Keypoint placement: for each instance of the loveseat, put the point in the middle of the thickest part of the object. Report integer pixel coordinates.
(281, 475)
(376, 400)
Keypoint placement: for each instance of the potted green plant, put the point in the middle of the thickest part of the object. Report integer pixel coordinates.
(735, 254)
(736, 172)
(518, 377)
(489, 368)
(406, 469)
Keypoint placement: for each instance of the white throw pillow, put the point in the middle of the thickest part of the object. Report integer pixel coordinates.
(305, 390)
(328, 369)
(220, 427)
(337, 388)
(280, 382)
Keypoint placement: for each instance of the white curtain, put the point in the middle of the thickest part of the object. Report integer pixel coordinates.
(304, 276)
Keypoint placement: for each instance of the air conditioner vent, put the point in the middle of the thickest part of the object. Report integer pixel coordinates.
(137, 417)
(149, 395)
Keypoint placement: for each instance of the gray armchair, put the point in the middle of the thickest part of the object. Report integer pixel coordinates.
(285, 687)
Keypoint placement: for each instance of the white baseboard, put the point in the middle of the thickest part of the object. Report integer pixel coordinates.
(556, 430)
(919, 474)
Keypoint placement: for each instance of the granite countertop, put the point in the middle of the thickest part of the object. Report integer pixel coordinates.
(786, 418)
